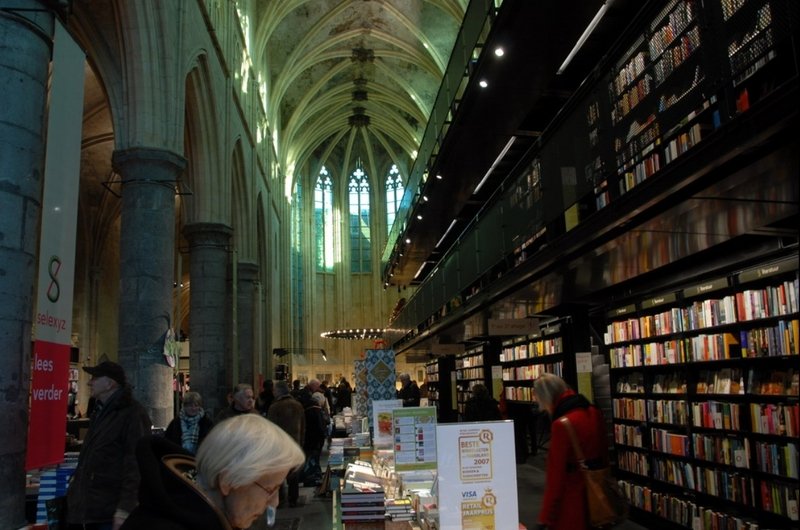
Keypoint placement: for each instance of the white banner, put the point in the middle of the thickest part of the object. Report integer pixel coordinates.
(53, 319)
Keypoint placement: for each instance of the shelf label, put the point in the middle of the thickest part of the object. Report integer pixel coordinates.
(659, 300)
(513, 326)
(621, 311)
(766, 271)
(705, 288)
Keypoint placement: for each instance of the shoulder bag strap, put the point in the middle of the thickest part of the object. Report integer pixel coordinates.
(575, 444)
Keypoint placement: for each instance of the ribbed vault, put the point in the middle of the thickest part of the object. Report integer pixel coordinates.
(352, 79)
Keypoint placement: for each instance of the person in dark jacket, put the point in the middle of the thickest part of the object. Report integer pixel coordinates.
(232, 482)
(104, 486)
(288, 414)
(481, 406)
(192, 425)
(344, 395)
(314, 440)
(243, 402)
(266, 396)
(564, 503)
(409, 391)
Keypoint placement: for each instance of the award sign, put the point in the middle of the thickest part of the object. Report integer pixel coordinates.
(477, 476)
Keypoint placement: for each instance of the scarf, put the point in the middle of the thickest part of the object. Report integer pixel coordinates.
(190, 430)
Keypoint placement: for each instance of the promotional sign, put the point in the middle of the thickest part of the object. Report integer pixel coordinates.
(382, 420)
(414, 438)
(53, 319)
(477, 476)
(583, 361)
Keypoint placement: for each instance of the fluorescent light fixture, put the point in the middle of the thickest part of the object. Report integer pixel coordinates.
(499, 51)
(419, 271)
(425, 198)
(581, 41)
(419, 216)
(438, 176)
(494, 164)
(408, 241)
(483, 83)
(324, 355)
(452, 224)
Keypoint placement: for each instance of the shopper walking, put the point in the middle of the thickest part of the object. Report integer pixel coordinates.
(288, 414)
(409, 391)
(564, 504)
(192, 425)
(105, 485)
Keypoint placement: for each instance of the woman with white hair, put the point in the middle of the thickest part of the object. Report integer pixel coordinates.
(235, 478)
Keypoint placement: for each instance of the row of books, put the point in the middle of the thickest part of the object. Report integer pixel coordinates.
(778, 459)
(362, 494)
(681, 511)
(531, 349)
(728, 450)
(750, 304)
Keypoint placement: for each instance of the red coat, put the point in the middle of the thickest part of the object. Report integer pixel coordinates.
(564, 503)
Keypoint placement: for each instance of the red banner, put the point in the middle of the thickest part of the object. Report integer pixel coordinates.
(47, 428)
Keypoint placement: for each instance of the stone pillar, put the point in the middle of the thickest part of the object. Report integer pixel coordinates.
(147, 250)
(209, 313)
(25, 38)
(246, 293)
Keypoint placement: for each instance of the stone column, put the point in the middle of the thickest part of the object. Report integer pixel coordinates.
(246, 293)
(147, 250)
(209, 313)
(25, 38)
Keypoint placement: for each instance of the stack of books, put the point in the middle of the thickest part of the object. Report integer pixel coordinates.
(362, 502)
(399, 509)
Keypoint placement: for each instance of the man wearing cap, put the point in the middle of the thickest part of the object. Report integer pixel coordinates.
(104, 487)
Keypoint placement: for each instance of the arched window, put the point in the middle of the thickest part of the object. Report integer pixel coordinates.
(360, 240)
(394, 194)
(323, 221)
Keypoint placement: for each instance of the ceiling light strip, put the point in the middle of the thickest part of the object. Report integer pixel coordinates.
(581, 41)
(494, 164)
(452, 224)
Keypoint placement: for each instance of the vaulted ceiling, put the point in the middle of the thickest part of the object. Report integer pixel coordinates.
(352, 79)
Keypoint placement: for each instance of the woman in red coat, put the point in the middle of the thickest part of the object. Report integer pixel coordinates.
(564, 504)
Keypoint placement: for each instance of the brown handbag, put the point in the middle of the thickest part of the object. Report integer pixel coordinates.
(607, 505)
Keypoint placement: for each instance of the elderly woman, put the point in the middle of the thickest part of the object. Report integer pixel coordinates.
(192, 425)
(564, 504)
(236, 477)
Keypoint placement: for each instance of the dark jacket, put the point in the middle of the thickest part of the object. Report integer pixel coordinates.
(174, 430)
(107, 476)
(288, 414)
(564, 503)
(482, 409)
(168, 498)
(343, 395)
(410, 395)
(316, 430)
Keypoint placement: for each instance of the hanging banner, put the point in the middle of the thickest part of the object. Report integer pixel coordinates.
(53, 318)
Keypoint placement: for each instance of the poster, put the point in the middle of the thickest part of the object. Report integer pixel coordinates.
(382, 418)
(414, 438)
(583, 362)
(360, 390)
(381, 378)
(477, 476)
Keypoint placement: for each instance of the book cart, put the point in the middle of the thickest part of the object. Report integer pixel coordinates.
(704, 384)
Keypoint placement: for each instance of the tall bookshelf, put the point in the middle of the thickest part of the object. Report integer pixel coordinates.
(438, 386)
(705, 400)
(526, 357)
(473, 367)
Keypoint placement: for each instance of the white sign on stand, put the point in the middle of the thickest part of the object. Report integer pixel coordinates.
(382, 420)
(477, 476)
